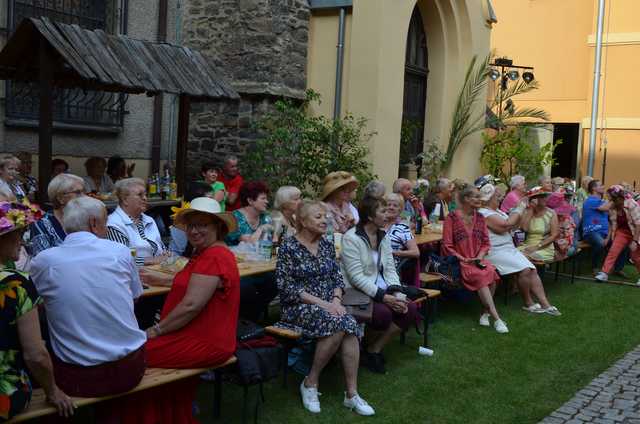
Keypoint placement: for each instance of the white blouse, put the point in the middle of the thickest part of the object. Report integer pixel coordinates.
(144, 237)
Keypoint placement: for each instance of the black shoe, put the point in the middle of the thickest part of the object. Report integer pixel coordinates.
(374, 362)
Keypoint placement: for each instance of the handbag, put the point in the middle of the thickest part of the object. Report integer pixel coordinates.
(248, 330)
(411, 292)
(357, 304)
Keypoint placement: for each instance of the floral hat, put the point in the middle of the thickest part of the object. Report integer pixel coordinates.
(537, 192)
(17, 215)
(617, 190)
(559, 204)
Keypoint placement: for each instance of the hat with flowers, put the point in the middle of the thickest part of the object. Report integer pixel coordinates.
(537, 192)
(617, 190)
(18, 215)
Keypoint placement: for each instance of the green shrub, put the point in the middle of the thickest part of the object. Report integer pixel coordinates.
(298, 149)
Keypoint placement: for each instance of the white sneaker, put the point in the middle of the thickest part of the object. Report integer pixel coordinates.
(310, 398)
(536, 308)
(601, 276)
(500, 326)
(484, 320)
(552, 310)
(356, 403)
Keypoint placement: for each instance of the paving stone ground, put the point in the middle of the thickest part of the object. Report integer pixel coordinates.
(611, 398)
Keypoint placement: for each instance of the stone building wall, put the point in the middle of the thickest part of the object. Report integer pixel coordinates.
(261, 45)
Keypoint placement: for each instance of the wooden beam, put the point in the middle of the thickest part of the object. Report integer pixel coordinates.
(182, 143)
(156, 134)
(45, 134)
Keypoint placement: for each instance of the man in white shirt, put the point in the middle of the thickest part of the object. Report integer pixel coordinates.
(88, 285)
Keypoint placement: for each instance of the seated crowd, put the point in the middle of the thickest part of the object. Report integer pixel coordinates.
(86, 272)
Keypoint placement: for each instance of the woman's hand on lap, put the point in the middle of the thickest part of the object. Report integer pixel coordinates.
(63, 403)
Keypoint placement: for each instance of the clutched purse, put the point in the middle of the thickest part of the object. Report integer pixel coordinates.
(411, 292)
(357, 304)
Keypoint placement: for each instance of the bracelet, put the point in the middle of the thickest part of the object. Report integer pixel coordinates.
(335, 296)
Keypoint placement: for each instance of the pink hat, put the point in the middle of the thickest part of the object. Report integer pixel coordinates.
(559, 204)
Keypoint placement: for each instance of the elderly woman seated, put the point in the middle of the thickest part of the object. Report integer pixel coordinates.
(97, 181)
(252, 219)
(9, 176)
(518, 187)
(49, 232)
(311, 289)
(252, 216)
(506, 258)
(466, 237)
(541, 225)
(368, 264)
(197, 328)
(21, 346)
(403, 243)
(129, 225)
(338, 188)
(286, 203)
(88, 285)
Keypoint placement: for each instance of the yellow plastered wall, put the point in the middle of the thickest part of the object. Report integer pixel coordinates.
(373, 81)
(558, 39)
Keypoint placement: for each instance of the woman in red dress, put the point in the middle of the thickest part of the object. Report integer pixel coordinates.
(466, 237)
(198, 323)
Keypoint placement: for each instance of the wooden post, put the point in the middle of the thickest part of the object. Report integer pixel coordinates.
(182, 142)
(45, 130)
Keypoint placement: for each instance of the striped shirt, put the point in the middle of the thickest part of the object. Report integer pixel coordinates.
(142, 235)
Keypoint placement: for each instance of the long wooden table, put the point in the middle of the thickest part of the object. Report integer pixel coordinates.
(428, 237)
(246, 269)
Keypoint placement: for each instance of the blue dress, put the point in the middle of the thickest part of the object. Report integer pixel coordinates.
(298, 270)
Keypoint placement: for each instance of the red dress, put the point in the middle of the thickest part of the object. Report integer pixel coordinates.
(459, 242)
(208, 340)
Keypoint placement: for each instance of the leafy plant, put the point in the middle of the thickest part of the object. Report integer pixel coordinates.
(433, 160)
(464, 122)
(407, 145)
(512, 152)
(298, 149)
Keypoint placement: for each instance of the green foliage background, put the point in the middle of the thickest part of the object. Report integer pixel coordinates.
(299, 149)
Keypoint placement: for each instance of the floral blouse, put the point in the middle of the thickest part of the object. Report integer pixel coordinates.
(244, 228)
(18, 296)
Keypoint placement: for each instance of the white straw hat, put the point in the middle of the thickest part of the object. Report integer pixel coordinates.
(208, 206)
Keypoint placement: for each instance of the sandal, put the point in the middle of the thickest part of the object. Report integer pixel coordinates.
(552, 310)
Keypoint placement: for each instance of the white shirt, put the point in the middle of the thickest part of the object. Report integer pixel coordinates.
(497, 240)
(123, 230)
(88, 285)
(354, 213)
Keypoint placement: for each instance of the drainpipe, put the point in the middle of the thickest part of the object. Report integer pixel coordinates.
(158, 100)
(339, 65)
(596, 90)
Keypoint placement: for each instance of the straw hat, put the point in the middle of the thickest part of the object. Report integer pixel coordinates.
(17, 215)
(336, 180)
(208, 206)
(537, 192)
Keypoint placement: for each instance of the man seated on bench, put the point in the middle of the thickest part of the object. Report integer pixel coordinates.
(504, 255)
(21, 344)
(88, 285)
(541, 225)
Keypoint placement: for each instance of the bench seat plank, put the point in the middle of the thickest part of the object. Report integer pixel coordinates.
(153, 377)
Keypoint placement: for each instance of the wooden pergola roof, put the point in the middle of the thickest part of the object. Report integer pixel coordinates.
(96, 60)
(67, 56)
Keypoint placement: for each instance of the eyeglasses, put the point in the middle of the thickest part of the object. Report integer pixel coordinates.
(197, 227)
(79, 192)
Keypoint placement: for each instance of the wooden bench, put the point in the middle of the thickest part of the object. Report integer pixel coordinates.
(428, 307)
(153, 377)
(429, 278)
(288, 339)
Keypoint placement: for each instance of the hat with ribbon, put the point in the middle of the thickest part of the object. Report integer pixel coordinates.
(537, 192)
(207, 206)
(336, 180)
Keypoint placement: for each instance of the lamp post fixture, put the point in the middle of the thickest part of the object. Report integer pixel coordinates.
(507, 72)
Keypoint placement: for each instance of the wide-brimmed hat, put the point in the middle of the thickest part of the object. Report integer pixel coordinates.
(18, 215)
(559, 204)
(208, 206)
(537, 192)
(617, 190)
(336, 180)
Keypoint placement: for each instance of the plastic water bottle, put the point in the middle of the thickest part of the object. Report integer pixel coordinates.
(265, 245)
(330, 229)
